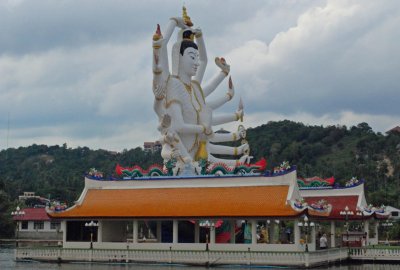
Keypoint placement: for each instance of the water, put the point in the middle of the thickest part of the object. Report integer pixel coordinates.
(7, 263)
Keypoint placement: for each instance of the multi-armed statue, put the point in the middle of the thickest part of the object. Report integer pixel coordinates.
(186, 116)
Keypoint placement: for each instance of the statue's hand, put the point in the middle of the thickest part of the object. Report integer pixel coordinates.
(239, 114)
(241, 132)
(244, 149)
(245, 159)
(179, 22)
(221, 63)
(197, 32)
(165, 123)
(231, 89)
(159, 91)
(175, 153)
(209, 131)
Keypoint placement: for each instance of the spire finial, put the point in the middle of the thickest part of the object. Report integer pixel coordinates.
(157, 35)
(186, 18)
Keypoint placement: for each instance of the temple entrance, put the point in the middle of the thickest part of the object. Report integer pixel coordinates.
(78, 232)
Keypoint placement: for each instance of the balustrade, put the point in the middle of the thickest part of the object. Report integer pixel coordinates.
(207, 257)
(374, 254)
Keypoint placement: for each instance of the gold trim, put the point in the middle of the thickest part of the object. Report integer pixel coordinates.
(195, 143)
(186, 18)
(169, 103)
(157, 72)
(234, 136)
(200, 89)
(237, 116)
(204, 128)
(156, 47)
(190, 89)
(181, 159)
(235, 151)
(160, 98)
(208, 134)
(198, 102)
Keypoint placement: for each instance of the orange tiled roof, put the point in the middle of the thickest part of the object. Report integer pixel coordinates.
(183, 202)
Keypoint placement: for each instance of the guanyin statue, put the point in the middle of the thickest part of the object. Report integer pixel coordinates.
(186, 115)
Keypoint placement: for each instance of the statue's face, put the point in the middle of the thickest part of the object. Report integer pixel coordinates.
(189, 61)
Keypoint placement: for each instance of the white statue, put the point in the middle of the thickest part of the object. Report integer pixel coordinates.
(186, 117)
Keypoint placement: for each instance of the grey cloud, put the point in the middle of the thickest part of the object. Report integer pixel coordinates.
(348, 66)
(81, 70)
(35, 26)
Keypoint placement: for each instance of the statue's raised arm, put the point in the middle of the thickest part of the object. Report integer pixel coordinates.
(161, 72)
(202, 55)
(219, 77)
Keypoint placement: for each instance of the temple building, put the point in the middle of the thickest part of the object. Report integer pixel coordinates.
(35, 224)
(261, 212)
(350, 212)
(182, 213)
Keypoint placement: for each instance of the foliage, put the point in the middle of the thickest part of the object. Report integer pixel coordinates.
(6, 226)
(56, 172)
(334, 151)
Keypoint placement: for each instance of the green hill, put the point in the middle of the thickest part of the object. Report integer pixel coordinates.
(56, 172)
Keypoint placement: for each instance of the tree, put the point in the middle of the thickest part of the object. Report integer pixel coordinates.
(6, 223)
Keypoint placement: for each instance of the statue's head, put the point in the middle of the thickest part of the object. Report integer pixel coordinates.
(185, 55)
(187, 41)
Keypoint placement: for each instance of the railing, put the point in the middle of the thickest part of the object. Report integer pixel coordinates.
(194, 257)
(375, 254)
(328, 256)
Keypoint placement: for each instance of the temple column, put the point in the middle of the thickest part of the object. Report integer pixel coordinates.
(233, 234)
(64, 230)
(254, 232)
(135, 231)
(296, 232)
(196, 232)
(100, 231)
(159, 235)
(333, 234)
(212, 234)
(272, 235)
(313, 237)
(366, 232)
(175, 231)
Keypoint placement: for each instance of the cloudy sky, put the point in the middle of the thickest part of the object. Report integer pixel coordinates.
(79, 72)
